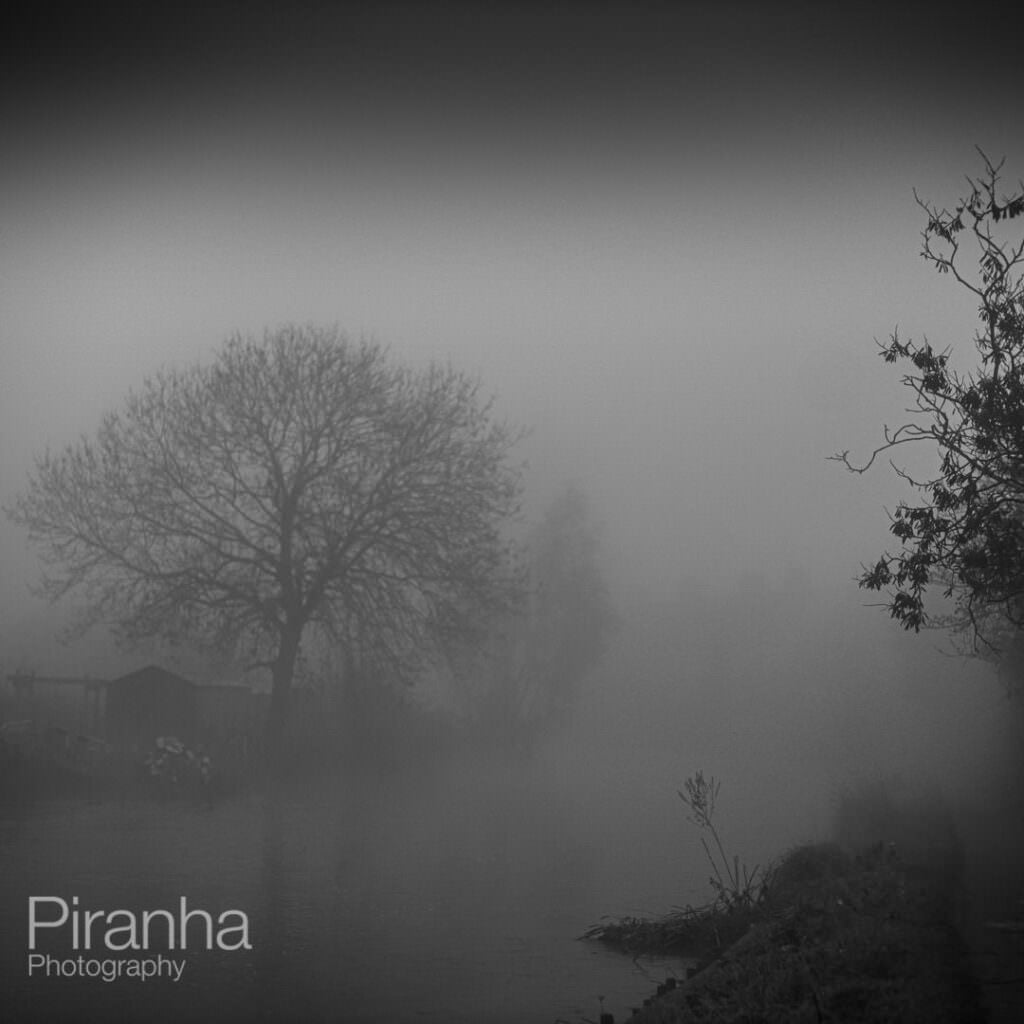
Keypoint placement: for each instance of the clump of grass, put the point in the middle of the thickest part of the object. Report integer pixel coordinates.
(697, 931)
(734, 885)
(702, 930)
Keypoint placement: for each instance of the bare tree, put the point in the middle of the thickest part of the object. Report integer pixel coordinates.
(295, 483)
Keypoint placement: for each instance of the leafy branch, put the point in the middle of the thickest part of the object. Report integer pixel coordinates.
(966, 531)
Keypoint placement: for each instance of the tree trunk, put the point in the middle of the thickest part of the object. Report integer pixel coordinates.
(283, 671)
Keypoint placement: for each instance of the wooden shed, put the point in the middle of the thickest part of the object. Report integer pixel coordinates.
(149, 703)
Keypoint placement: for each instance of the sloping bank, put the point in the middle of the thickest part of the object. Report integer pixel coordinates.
(832, 938)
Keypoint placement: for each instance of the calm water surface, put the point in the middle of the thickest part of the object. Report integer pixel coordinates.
(453, 897)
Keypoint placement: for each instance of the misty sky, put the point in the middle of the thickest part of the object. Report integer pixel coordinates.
(664, 239)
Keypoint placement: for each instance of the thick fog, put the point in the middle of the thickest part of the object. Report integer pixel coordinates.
(664, 242)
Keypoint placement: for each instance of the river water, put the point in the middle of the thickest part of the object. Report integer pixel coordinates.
(452, 895)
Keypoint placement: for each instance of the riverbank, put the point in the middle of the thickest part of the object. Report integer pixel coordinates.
(833, 938)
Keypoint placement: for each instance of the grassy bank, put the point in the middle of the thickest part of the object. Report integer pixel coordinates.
(826, 936)
(865, 939)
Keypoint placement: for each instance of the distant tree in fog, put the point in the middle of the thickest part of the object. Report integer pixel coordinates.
(299, 482)
(966, 533)
(571, 614)
(539, 655)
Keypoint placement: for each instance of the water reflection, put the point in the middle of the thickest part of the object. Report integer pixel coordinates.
(452, 898)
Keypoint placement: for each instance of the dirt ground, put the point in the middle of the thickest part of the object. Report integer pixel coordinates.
(993, 912)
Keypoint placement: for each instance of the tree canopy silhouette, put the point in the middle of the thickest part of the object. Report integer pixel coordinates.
(966, 533)
(527, 676)
(297, 482)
